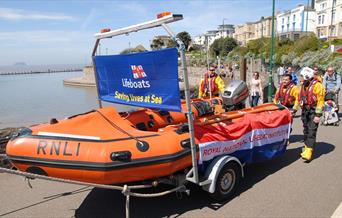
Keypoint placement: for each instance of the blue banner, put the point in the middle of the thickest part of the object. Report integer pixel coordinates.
(147, 79)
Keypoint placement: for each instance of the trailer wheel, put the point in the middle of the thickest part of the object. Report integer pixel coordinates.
(226, 182)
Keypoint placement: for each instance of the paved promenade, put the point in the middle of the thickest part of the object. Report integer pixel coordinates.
(283, 187)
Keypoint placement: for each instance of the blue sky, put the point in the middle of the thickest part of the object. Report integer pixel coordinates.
(61, 32)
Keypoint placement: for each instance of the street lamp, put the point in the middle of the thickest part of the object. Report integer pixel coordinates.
(223, 26)
(270, 79)
(307, 23)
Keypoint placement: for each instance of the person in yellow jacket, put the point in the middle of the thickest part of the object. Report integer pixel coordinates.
(312, 102)
(288, 94)
(211, 83)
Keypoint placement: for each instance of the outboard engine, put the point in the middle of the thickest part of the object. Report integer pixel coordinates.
(234, 95)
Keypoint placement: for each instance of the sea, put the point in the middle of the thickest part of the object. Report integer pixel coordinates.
(36, 98)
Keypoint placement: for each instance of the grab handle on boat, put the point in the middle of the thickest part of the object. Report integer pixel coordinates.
(121, 156)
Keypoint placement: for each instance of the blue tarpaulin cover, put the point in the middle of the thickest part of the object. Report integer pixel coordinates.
(147, 79)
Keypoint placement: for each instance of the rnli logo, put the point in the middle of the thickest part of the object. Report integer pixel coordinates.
(138, 71)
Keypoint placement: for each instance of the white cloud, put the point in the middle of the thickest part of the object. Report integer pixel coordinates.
(19, 38)
(18, 14)
(39, 47)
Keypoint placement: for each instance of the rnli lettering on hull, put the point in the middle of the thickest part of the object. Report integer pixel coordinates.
(59, 148)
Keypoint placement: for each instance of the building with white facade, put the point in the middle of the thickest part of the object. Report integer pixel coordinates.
(294, 23)
(226, 30)
(329, 18)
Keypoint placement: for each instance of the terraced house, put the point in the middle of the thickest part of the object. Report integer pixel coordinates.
(296, 22)
(329, 18)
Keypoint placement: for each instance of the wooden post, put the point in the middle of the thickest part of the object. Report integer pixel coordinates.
(243, 69)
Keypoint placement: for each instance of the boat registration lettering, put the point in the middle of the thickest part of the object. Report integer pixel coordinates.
(59, 148)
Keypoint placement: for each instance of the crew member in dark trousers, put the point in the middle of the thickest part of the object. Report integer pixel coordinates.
(312, 102)
(287, 94)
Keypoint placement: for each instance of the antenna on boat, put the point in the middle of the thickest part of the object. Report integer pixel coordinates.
(208, 67)
(162, 20)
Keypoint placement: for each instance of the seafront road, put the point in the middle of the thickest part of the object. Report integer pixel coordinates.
(283, 187)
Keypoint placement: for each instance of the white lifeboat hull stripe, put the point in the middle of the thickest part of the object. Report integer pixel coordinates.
(68, 135)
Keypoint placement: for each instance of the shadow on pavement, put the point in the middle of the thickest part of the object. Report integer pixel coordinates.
(107, 203)
(296, 138)
(46, 199)
(322, 148)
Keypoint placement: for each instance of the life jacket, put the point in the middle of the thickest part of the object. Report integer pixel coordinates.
(205, 84)
(307, 97)
(284, 97)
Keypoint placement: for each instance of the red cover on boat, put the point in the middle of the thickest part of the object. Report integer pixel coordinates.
(254, 137)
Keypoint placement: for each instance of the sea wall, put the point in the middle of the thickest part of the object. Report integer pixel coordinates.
(87, 79)
(195, 74)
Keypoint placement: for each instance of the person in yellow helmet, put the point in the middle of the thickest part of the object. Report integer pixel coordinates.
(211, 83)
(288, 94)
(312, 102)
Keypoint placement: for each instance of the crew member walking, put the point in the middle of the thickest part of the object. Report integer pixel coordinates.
(287, 94)
(210, 83)
(312, 103)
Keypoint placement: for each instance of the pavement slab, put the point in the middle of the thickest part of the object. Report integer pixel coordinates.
(282, 187)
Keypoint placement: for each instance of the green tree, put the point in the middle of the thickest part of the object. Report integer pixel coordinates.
(186, 38)
(139, 48)
(306, 43)
(157, 43)
(222, 46)
(160, 42)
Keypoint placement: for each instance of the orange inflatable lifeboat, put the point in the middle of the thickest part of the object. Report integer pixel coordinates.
(108, 147)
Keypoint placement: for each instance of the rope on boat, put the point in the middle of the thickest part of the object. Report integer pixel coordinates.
(118, 127)
(125, 190)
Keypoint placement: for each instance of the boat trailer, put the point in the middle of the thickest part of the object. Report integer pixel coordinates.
(220, 177)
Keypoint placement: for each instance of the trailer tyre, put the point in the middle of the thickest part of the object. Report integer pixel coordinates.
(227, 182)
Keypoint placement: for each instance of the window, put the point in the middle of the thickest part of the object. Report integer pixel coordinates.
(296, 36)
(323, 19)
(293, 26)
(282, 20)
(323, 6)
(288, 19)
(334, 3)
(287, 27)
(294, 18)
(319, 19)
(282, 28)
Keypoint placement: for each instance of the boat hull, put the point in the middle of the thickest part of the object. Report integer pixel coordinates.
(105, 147)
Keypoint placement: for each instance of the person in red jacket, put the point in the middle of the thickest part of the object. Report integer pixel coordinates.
(288, 94)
